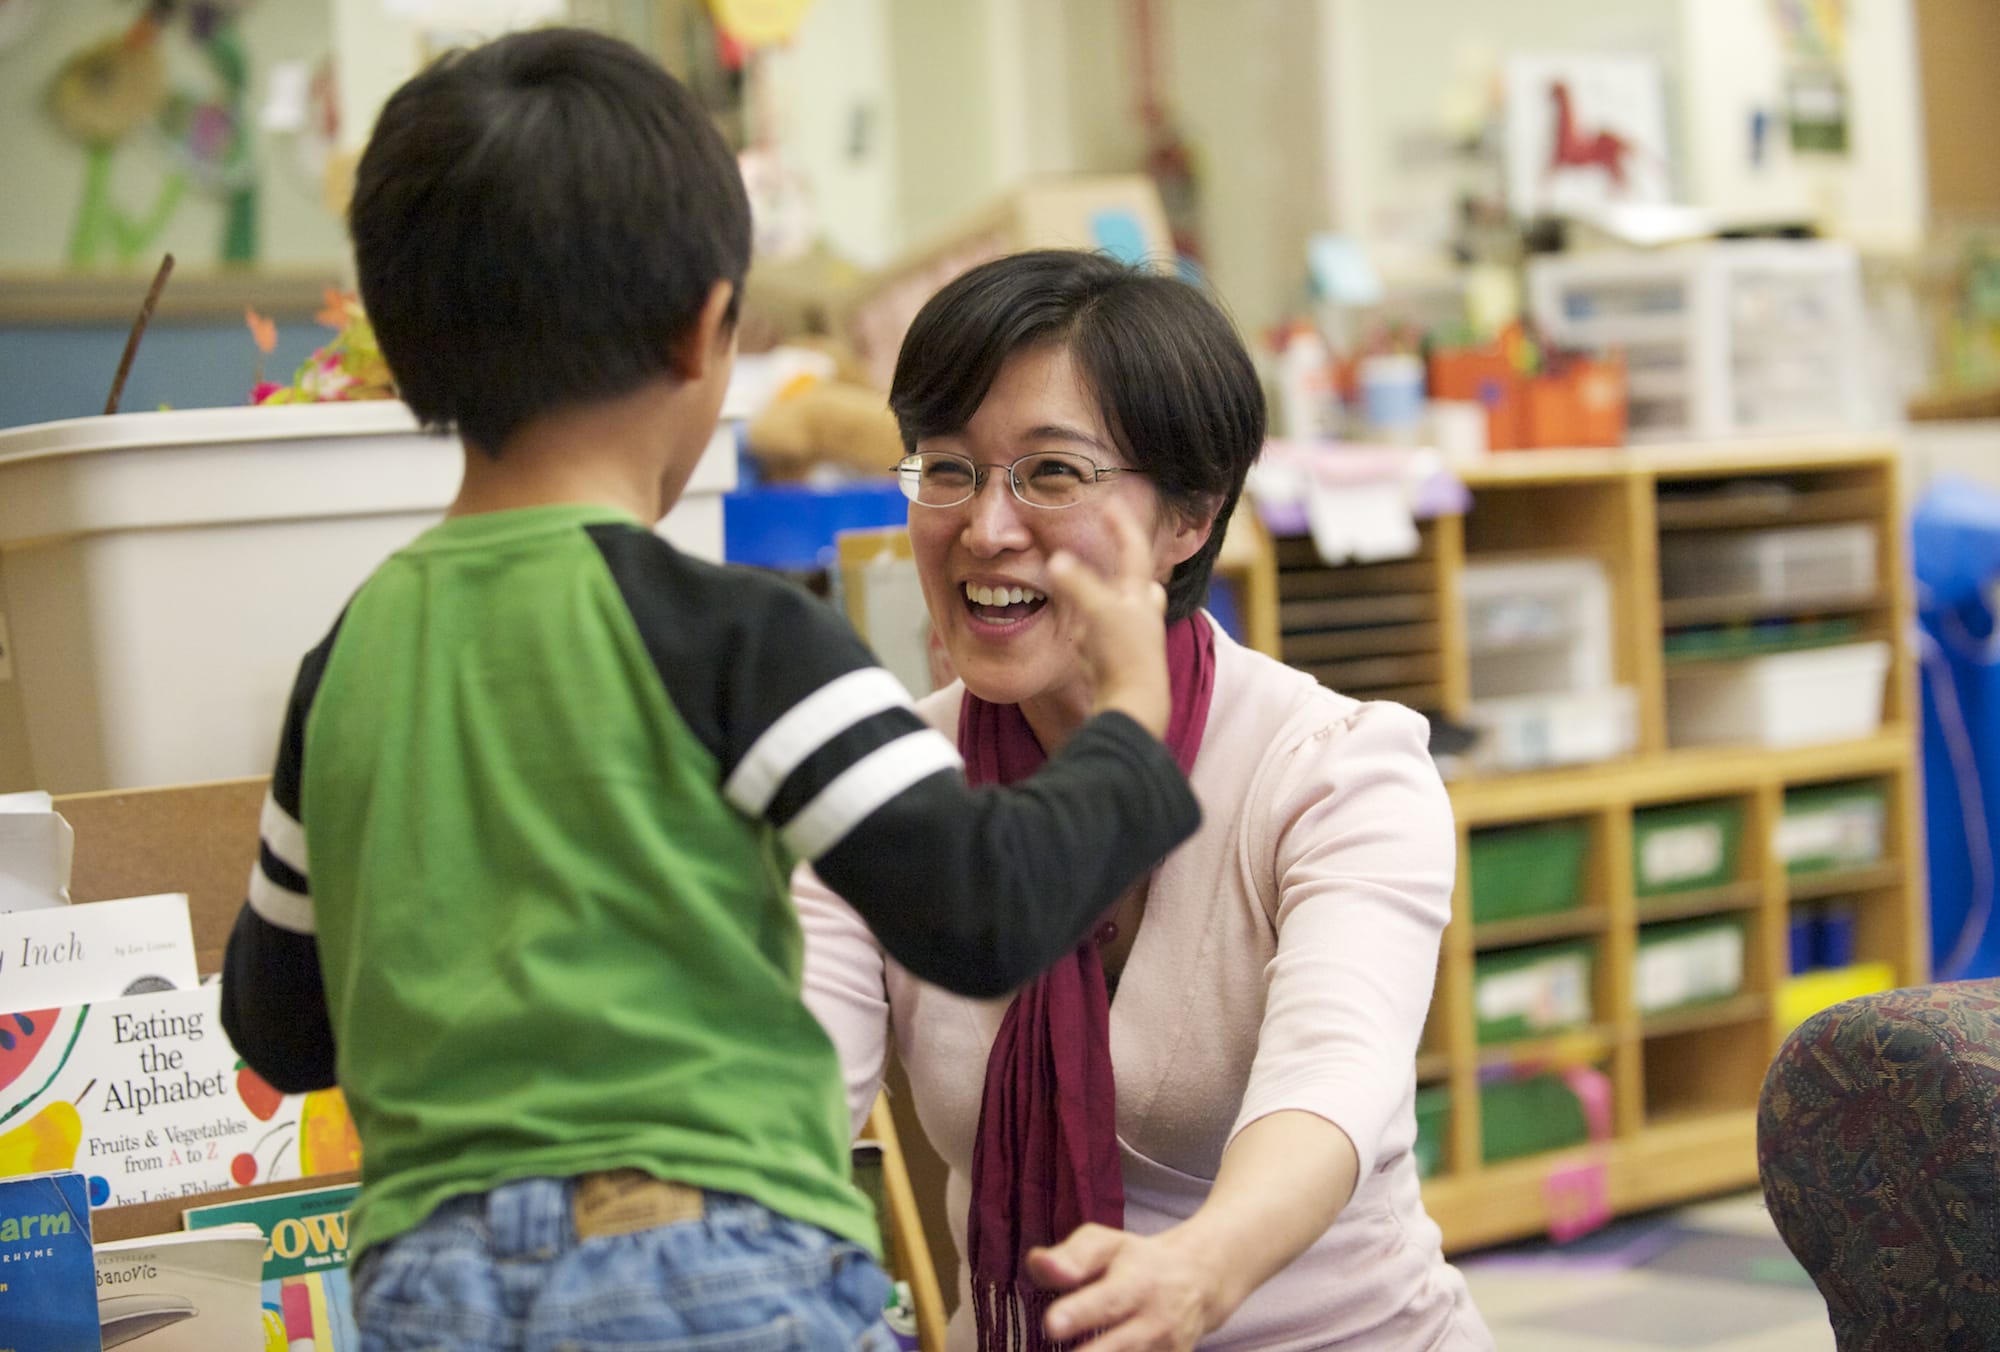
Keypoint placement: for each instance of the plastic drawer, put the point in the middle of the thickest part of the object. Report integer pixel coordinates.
(1433, 1129)
(1831, 826)
(1684, 847)
(1691, 962)
(1533, 992)
(1529, 1117)
(1519, 871)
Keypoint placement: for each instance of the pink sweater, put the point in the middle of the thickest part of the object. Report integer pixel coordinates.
(1285, 961)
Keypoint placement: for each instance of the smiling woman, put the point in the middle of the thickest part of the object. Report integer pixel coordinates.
(1197, 1127)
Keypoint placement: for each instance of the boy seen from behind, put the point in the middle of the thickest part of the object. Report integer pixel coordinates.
(523, 891)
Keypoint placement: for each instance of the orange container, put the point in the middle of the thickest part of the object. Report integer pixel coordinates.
(1580, 403)
(1486, 375)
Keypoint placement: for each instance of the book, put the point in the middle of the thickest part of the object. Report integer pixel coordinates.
(146, 1097)
(306, 1295)
(183, 1292)
(48, 1292)
(72, 955)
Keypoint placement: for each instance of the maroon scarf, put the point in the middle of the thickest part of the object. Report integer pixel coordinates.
(1046, 1157)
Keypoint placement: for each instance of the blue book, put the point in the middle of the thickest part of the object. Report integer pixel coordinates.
(48, 1275)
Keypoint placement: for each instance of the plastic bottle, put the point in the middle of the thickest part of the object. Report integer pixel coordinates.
(1308, 404)
(899, 1312)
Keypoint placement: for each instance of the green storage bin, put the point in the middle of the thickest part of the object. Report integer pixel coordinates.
(1433, 1129)
(1532, 992)
(1529, 870)
(1689, 962)
(1684, 847)
(1528, 1117)
(1832, 826)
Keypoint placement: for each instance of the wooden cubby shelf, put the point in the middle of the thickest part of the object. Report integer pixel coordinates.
(1684, 1082)
(1840, 881)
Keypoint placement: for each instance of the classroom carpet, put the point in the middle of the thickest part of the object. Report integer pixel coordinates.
(1713, 1275)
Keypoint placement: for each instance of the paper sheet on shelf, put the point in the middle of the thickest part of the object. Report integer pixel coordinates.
(35, 849)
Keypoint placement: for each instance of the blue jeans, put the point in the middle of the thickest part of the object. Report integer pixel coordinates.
(505, 1270)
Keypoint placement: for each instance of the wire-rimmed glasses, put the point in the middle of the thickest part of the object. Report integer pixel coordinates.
(1047, 479)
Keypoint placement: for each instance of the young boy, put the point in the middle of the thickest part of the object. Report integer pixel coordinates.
(523, 887)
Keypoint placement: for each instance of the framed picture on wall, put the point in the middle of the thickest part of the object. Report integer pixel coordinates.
(1583, 132)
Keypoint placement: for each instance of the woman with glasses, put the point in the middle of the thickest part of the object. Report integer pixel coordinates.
(1198, 1127)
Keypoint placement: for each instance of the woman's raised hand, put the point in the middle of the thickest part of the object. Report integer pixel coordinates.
(1123, 620)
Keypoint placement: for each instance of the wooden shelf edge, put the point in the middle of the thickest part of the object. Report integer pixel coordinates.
(1535, 928)
(1737, 1009)
(1579, 1047)
(1655, 1166)
(1746, 895)
(1715, 459)
(1670, 776)
(1683, 612)
(1837, 881)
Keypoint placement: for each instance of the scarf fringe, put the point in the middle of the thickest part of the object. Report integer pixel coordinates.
(1010, 1318)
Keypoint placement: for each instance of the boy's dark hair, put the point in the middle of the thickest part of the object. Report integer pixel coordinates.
(535, 222)
(1177, 390)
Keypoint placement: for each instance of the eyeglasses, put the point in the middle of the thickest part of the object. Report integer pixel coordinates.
(1051, 479)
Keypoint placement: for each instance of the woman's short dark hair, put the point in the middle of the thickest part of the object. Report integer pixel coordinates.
(535, 222)
(1177, 390)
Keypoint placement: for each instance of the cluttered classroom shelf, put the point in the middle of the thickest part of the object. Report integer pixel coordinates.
(1683, 820)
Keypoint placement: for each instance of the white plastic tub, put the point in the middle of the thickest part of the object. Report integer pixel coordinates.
(161, 574)
(1785, 699)
(1525, 732)
(1537, 627)
(1792, 565)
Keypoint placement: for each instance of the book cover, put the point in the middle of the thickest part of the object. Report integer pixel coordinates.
(145, 1096)
(183, 1292)
(306, 1296)
(73, 955)
(48, 1293)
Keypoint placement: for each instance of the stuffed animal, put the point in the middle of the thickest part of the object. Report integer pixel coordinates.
(812, 424)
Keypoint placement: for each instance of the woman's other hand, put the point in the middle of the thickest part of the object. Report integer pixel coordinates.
(1124, 623)
(1160, 1293)
(1283, 1181)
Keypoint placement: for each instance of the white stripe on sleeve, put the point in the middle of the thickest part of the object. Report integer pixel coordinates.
(286, 909)
(283, 836)
(864, 786)
(805, 728)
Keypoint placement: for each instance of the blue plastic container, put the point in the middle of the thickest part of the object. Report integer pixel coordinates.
(1803, 925)
(791, 526)
(1833, 937)
(1955, 548)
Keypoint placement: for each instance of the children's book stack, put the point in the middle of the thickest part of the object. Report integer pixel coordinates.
(48, 1292)
(113, 1062)
(118, 1086)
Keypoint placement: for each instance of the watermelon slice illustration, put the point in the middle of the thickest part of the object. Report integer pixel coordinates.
(21, 1036)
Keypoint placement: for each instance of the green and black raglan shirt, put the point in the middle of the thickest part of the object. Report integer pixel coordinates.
(524, 884)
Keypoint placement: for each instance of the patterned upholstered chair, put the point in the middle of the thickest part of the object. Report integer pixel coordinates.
(1878, 1142)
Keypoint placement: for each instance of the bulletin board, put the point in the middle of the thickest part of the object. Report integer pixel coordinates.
(132, 128)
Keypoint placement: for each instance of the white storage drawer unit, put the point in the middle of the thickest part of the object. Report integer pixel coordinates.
(1729, 339)
(161, 575)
